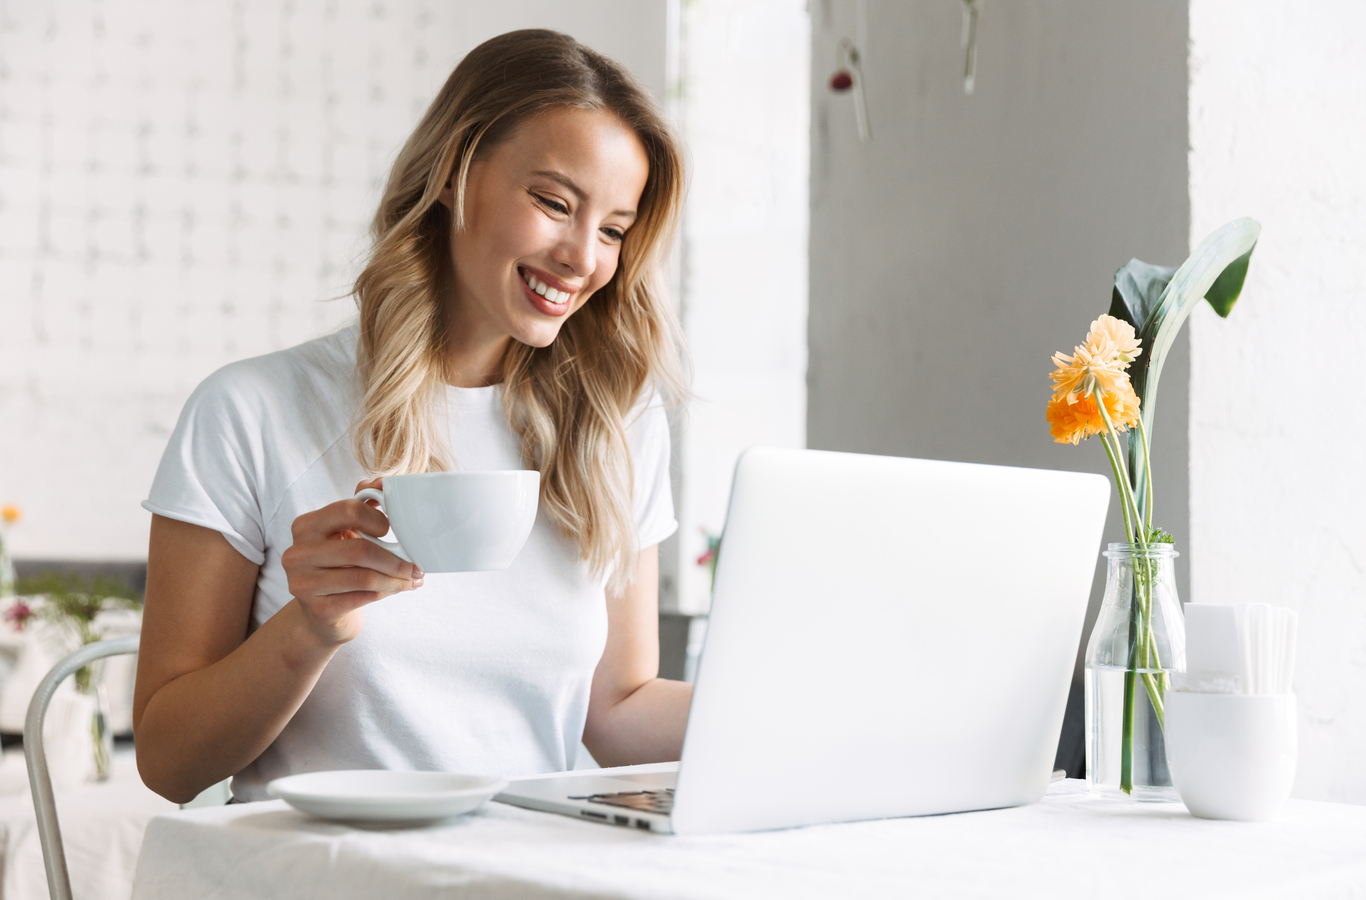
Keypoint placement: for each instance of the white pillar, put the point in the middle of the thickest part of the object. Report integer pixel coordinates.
(1278, 484)
(744, 108)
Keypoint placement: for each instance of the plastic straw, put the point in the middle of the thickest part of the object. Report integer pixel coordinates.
(1267, 636)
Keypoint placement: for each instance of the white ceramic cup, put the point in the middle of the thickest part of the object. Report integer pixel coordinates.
(1231, 756)
(458, 521)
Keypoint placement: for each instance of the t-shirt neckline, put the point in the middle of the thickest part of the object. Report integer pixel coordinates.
(474, 397)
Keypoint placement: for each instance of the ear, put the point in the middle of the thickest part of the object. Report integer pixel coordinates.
(447, 196)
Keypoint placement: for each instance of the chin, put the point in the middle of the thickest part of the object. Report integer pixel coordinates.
(538, 337)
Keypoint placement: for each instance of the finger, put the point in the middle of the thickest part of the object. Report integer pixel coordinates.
(376, 484)
(330, 582)
(357, 552)
(320, 585)
(335, 518)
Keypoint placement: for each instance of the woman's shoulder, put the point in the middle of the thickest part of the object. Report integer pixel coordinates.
(297, 402)
(649, 400)
(650, 410)
(314, 372)
(647, 425)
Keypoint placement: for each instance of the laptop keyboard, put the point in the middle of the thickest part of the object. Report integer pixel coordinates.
(661, 801)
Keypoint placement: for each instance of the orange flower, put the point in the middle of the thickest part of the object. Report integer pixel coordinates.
(9, 514)
(1093, 366)
(1118, 332)
(1074, 418)
(1070, 423)
(1098, 364)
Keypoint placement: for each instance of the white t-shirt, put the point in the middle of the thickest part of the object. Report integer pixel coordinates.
(478, 672)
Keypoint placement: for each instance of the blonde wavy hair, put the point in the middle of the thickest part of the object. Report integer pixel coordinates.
(568, 402)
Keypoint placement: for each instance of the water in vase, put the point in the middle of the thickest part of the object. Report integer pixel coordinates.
(1104, 727)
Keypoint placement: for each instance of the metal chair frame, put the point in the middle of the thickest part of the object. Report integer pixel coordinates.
(40, 782)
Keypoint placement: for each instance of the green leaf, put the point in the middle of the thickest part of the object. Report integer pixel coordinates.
(1138, 288)
(1160, 536)
(1215, 270)
(1228, 286)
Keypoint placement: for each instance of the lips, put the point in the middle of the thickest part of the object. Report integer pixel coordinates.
(546, 299)
(544, 290)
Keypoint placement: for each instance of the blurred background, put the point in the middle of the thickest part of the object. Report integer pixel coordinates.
(183, 184)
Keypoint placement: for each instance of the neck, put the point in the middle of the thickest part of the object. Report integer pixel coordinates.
(475, 363)
(474, 347)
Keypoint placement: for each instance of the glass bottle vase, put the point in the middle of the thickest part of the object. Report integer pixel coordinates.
(90, 681)
(1138, 641)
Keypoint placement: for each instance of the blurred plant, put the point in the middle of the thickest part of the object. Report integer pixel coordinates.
(708, 558)
(71, 603)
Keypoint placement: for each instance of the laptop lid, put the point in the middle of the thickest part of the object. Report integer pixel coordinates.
(888, 637)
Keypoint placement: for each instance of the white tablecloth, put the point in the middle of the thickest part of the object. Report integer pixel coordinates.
(102, 826)
(1068, 845)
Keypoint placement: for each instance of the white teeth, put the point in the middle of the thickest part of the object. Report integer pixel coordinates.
(540, 287)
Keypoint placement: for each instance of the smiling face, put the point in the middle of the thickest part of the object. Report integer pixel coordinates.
(545, 213)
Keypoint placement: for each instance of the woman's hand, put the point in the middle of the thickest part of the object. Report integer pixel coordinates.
(333, 573)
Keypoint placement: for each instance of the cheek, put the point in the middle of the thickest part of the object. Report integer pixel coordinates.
(508, 239)
(609, 258)
(490, 241)
(606, 267)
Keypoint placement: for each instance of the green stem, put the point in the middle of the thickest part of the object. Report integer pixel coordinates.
(1137, 651)
(1142, 639)
(1147, 478)
(1155, 684)
(98, 726)
(1126, 737)
(1116, 459)
(1136, 659)
(1154, 689)
(1120, 477)
(1138, 654)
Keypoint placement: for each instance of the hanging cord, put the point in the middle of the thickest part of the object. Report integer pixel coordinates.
(969, 46)
(849, 74)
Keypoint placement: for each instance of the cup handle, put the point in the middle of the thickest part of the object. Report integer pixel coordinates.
(392, 546)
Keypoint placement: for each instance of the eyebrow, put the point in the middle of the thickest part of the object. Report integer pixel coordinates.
(568, 184)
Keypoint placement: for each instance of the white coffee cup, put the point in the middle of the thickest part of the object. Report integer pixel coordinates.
(458, 521)
(1231, 756)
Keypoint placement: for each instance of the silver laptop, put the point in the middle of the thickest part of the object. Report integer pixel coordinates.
(888, 637)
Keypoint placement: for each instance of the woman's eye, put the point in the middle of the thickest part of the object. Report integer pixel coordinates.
(614, 235)
(553, 205)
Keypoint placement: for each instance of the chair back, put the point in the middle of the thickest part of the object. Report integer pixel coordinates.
(40, 782)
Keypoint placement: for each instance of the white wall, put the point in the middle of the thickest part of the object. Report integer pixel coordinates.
(185, 184)
(973, 236)
(1278, 486)
(744, 109)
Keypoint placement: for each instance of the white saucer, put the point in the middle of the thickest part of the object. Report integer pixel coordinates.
(377, 795)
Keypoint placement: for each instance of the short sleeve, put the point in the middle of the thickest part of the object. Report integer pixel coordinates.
(653, 496)
(210, 474)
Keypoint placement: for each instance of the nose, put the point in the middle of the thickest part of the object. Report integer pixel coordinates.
(577, 250)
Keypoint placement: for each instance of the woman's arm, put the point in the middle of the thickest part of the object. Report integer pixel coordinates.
(633, 715)
(209, 699)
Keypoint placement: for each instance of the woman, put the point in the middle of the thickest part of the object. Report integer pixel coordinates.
(510, 317)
